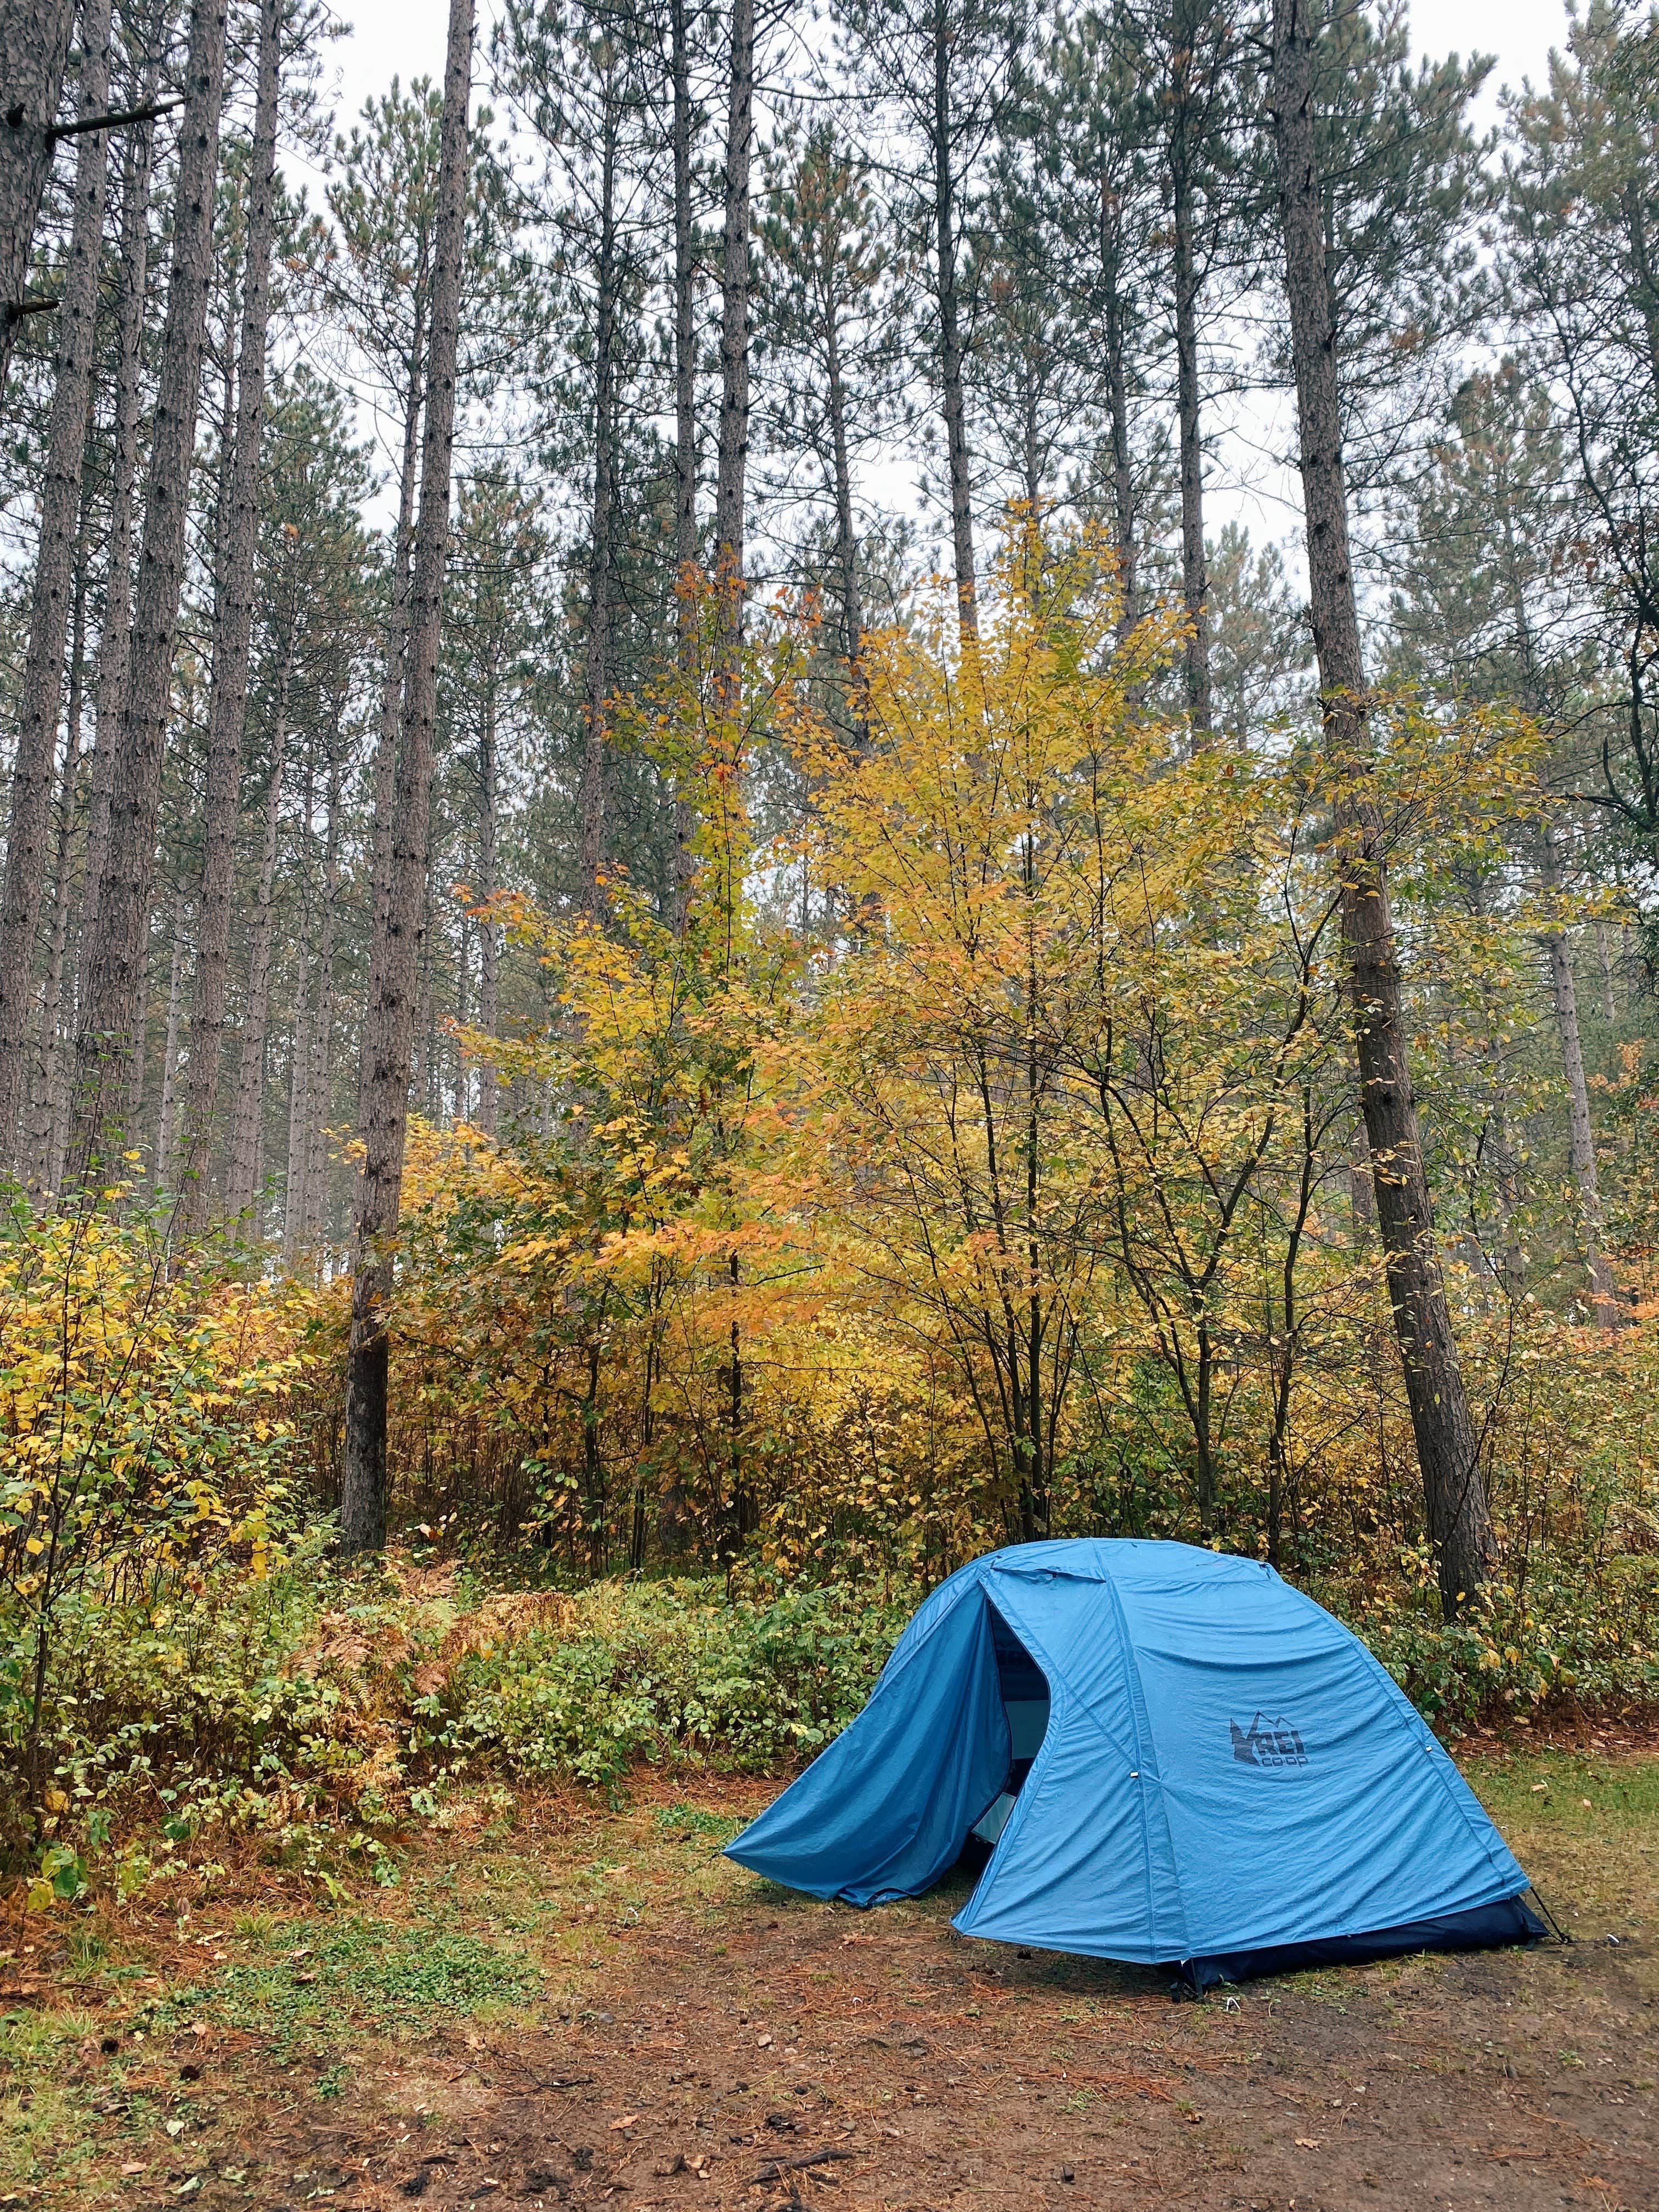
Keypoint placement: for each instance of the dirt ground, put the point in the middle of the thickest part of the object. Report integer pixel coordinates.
(571, 2005)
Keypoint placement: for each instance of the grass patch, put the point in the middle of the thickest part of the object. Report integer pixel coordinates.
(318, 1975)
(1584, 1826)
(682, 1823)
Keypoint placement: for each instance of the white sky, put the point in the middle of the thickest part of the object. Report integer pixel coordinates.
(1247, 478)
(406, 37)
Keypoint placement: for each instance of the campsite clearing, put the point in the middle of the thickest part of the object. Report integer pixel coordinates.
(564, 2004)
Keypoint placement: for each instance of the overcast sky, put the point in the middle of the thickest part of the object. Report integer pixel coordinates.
(406, 37)
(1248, 477)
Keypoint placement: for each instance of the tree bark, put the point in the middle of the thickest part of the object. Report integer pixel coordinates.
(321, 1069)
(1194, 581)
(397, 638)
(1581, 1133)
(296, 1177)
(247, 1127)
(489, 974)
(1115, 339)
(33, 774)
(233, 639)
(846, 547)
(34, 47)
(49, 1093)
(942, 150)
(731, 480)
(116, 955)
(1447, 1448)
(115, 637)
(169, 1106)
(394, 952)
(598, 668)
(685, 415)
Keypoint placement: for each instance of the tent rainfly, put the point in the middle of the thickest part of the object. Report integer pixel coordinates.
(1176, 1758)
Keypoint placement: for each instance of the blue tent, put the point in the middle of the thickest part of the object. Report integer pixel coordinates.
(1176, 1759)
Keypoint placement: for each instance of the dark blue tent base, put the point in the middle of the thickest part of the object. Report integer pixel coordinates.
(1487, 1927)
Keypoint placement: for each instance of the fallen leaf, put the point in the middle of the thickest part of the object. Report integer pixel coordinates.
(133, 2165)
(1309, 2142)
(626, 2121)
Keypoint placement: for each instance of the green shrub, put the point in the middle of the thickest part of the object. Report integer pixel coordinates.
(661, 1671)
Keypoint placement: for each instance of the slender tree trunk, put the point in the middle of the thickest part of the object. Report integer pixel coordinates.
(846, 547)
(423, 1045)
(248, 1108)
(33, 775)
(116, 957)
(685, 414)
(297, 1154)
(1117, 397)
(115, 638)
(169, 1108)
(233, 639)
(597, 671)
(397, 636)
(34, 47)
(1194, 581)
(297, 1171)
(320, 1085)
(1447, 1448)
(1581, 1133)
(394, 952)
(730, 484)
(488, 981)
(950, 325)
(49, 1072)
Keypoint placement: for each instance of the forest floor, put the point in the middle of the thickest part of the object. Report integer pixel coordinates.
(562, 2003)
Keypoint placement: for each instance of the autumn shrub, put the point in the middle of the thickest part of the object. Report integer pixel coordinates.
(665, 1671)
(145, 1439)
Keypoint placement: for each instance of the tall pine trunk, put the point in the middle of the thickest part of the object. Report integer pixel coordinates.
(115, 959)
(49, 1092)
(247, 1121)
(732, 478)
(115, 636)
(846, 547)
(34, 771)
(168, 1112)
(232, 643)
(320, 1068)
(1114, 338)
(948, 305)
(602, 526)
(397, 638)
(1194, 581)
(489, 943)
(34, 46)
(685, 411)
(395, 948)
(1447, 1447)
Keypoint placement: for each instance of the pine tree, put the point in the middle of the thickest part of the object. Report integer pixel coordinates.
(394, 955)
(28, 820)
(115, 960)
(1447, 1447)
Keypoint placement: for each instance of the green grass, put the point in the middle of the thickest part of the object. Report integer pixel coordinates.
(1586, 1828)
(319, 1975)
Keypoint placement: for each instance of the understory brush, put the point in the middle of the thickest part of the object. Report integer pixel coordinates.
(182, 1651)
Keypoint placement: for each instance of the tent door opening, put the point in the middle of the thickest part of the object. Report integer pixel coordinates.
(1025, 1700)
